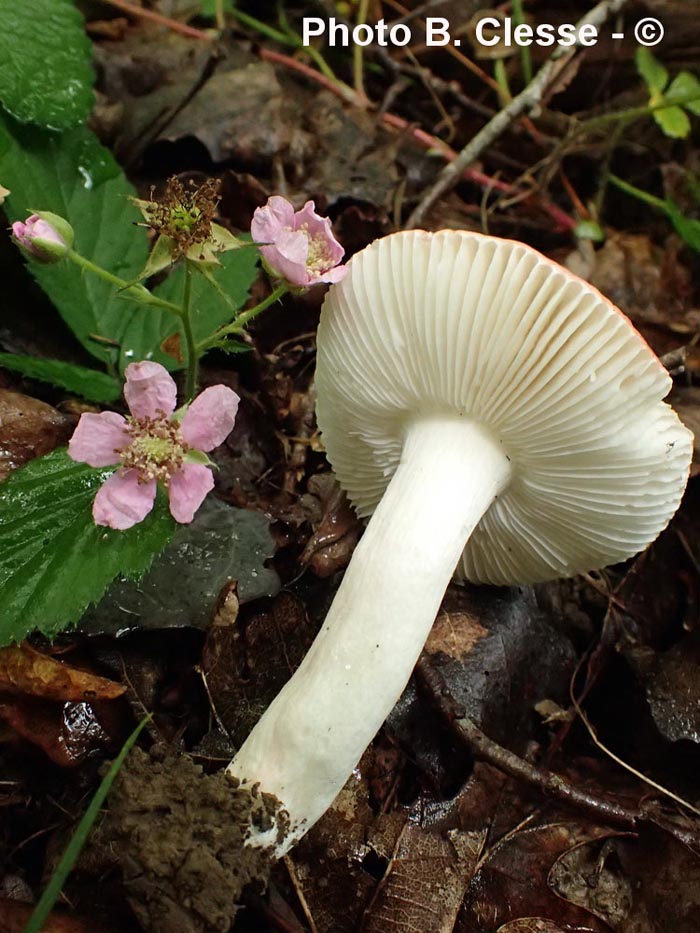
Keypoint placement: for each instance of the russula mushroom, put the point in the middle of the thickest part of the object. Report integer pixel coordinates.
(496, 416)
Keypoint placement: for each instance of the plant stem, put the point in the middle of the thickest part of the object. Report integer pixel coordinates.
(136, 290)
(358, 52)
(632, 113)
(635, 192)
(74, 847)
(525, 59)
(192, 353)
(241, 322)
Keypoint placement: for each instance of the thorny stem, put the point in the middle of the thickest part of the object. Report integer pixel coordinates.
(192, 353)
(241, 322)
(137, 291)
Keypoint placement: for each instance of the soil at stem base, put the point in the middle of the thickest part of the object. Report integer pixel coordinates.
(177, 835)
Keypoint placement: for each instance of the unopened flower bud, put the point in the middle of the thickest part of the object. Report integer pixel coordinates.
(44, 236)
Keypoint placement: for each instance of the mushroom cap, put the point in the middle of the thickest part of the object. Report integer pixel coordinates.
(492, 330)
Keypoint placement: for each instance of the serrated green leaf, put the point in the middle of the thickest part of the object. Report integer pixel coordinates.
(210, 310)
(684, 87)
(54, 560)
(74, 176)
(651, 69)
(45, 71)
(88, 383)
(687, 228)
(674, 122)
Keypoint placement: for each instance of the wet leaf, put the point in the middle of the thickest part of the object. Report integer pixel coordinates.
(68, 733)
(336, 529)
(54, 560)
(73, 176)
(26, 671)
(512, 883)
(88, 383)
(182, 587)
(45, 73)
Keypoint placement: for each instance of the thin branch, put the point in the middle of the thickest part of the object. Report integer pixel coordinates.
(547, 782)
(172, 24)
(526, 101)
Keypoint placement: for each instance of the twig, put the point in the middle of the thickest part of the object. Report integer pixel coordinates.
(172, 24)
(547, 782)
(529, 98)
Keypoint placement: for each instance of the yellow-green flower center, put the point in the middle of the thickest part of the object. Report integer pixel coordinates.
(319, 257)
(157, 449)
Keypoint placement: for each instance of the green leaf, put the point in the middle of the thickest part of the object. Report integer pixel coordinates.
(54, 560)
(45, 71)
(673, 121)
(88, 383)
(684, 87)
(74, 176)
(687, 228)
(651, 69)
(210, 309)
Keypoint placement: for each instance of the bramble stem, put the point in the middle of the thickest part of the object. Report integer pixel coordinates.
(241, 322)
(192, 352)
(137, 291)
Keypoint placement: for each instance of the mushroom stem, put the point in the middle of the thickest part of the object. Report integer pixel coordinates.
(313, 734)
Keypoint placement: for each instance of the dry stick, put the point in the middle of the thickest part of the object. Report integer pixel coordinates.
(172, 24)
(547, 782)
(524, 102)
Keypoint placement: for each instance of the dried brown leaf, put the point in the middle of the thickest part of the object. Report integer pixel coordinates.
(28, 428)
(26, 671)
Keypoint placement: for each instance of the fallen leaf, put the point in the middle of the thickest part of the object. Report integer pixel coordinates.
(182, 587)
(26, 671)
(68, 733)
(28, 428)
(14, 917)
(335, 532)
(248, 663)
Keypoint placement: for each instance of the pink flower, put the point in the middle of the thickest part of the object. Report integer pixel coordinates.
(300, 246)
(155, 444)
(45, 237)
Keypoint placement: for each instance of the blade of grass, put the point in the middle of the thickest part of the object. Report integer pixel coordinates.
(53, 889)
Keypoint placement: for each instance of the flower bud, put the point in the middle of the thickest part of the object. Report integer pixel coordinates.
(44, 236)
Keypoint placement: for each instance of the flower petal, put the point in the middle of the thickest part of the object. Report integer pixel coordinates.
(210, 418)
(188, 489)
(288, 257)
(270, 220)
(333, 275)
(150, 390)
(320, 227)
(123, 501)
(98, 439)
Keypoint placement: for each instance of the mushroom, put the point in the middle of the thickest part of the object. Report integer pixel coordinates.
(495, 415)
